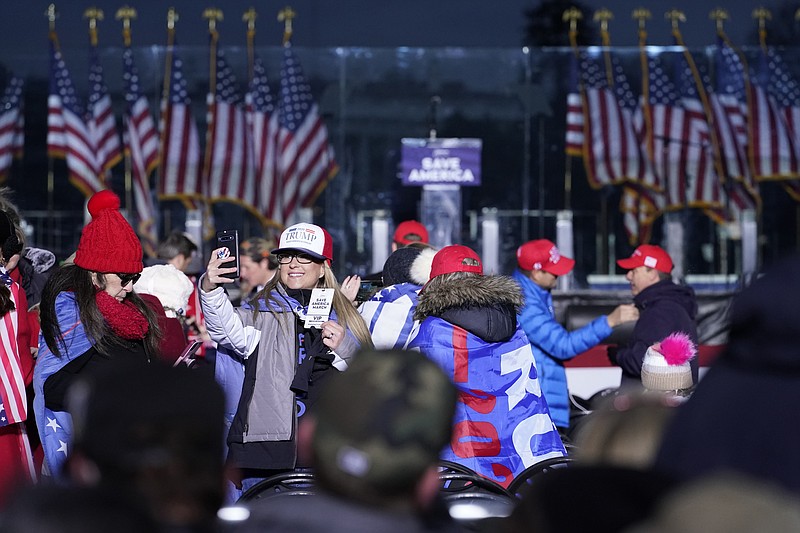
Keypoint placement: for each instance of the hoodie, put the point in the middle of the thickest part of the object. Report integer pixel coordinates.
(664, 308)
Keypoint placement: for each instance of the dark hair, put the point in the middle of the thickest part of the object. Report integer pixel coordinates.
(258, 249)
(8, 207)
(412, 237)
(176, 243)
(6, 302)
(72, 278)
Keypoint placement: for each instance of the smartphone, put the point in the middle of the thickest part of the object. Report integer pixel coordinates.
(367, 289)
(229, 238)
(187, 356)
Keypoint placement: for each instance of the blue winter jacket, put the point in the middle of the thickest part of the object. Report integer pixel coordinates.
(502, 425)
(552, 344)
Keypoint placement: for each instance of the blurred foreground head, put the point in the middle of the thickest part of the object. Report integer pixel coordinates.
(743, 407)
(154, 431)
(380, 427)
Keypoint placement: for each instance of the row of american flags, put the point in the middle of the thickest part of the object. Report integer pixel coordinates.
(269, 155)
(688, 138)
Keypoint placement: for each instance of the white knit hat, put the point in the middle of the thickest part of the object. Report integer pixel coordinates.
(169, 285)
(666, 364)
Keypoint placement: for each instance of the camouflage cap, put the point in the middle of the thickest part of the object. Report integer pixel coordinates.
(381, 424)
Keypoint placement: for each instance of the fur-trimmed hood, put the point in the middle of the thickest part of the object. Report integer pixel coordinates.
(486, 306)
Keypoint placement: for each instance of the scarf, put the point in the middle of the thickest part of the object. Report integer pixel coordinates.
(123, 317)
(317, 355)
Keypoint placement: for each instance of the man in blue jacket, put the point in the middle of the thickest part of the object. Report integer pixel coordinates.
(539, 266)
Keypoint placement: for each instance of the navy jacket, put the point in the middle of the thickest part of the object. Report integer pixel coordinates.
(664, 308)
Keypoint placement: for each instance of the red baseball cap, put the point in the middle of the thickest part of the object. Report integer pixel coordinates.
(410, 227)
(648, 255)
(542, 254)
(455, 258)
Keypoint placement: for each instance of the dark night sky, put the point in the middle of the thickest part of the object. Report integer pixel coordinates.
(378, 23)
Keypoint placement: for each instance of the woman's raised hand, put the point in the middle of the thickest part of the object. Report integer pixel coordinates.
(216, 270)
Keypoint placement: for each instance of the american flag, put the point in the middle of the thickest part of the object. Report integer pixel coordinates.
(141, 146)
(12, 126)
(574, 136)
(702, 187)
(180, 144)
(729, 109)
(68, 135)
(667, 129)
(13, 398)
(228, 170)
(262, 118)
(306, 160)
(775, 128)
(102, 126)
(663, 125)
(613, 152)
(640, 207)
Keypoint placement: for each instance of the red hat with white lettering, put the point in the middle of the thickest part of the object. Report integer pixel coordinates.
(542, 254)
(648, 255)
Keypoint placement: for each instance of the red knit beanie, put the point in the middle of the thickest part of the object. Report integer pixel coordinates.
(108, 242)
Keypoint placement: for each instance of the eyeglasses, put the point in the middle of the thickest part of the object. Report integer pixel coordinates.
(128, 278)
(303, 259)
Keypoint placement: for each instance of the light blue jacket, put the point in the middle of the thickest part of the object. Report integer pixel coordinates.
(552, 344)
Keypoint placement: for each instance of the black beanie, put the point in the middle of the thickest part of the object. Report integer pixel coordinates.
(397, 268)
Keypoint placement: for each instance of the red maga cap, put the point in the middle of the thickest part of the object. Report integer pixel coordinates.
(648, 255)
(410, 227)
(542, 254)
(456, 258)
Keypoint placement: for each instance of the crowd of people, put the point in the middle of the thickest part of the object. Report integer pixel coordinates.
(151, 396)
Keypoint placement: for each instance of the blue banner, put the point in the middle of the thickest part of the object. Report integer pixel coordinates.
(441, 161)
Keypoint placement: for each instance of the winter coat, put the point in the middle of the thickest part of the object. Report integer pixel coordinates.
(502, 424)
(389, 314)
(267, 346)
(552, 344)
(55, 425)
(664, 308)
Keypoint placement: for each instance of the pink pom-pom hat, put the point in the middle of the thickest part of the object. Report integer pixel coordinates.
(666, 364)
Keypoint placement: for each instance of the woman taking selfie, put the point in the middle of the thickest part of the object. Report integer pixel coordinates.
(284, 360)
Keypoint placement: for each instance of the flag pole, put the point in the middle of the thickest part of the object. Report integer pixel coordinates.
(126, 14)
(212, 15)
(93, 15)
(172, 18)
(571, 15)
(51, 15)
(603, 16)
(762, 15)
(285, 15)
(249, 17)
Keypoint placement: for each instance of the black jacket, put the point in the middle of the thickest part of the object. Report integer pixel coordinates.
(664, 308)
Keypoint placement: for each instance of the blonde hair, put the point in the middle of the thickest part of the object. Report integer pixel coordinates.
(346, 314)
